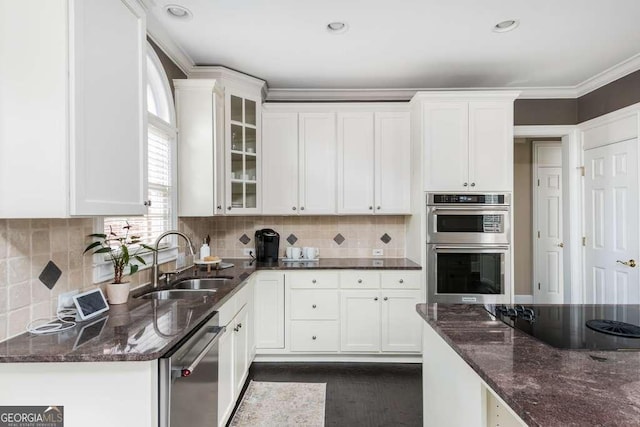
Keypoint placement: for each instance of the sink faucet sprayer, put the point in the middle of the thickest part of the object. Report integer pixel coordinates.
(156, 268)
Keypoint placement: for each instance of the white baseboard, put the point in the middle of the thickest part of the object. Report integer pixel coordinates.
(409, 358)
(523, 299)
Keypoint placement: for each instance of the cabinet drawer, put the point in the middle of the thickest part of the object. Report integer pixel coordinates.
(312, 304)
(312, 280)
(360, 279)
(400, 279)
(315, 335)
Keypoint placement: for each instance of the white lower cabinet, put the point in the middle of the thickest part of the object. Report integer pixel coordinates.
(240, 349)
(401, 328)
(350, 311)
(269, 310)
(360, 319)
(234, 350)
(383, 320)
(226, 390)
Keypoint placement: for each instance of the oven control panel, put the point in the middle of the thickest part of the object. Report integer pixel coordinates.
(470, 199)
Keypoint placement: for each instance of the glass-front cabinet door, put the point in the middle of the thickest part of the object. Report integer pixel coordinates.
(243, 151)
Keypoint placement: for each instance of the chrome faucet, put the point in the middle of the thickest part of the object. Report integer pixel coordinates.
(156, 268)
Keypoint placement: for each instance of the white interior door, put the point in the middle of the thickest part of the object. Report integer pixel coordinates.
(611, 224)
(548, 278)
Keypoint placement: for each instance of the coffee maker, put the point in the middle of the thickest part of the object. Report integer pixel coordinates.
(267, 245)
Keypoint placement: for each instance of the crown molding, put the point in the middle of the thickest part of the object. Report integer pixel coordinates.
(609, 75)
(228, 76)
(390, 95)
(157, 33)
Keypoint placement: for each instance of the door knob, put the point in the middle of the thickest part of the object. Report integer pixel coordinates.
(631, 263)
(561, 245)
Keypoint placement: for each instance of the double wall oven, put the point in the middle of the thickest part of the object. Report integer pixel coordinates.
(469, 248)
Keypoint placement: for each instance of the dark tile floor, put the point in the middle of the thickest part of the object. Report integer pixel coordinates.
(358, 394)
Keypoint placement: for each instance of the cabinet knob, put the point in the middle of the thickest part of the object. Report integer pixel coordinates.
(301, 208)
(359, 280)
(293, 208)
(385, 298)
(313, 306)
(219, 207)
(378, 207)
(465, 184)
(370, 208)
(236, 329)
(147, 202)
(401, 281)
(313, 281)
(239, 325)
(313, 337)
(473, 184)
(228, 208)
(375, 299)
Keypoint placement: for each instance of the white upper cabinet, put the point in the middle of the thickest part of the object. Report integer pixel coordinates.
(317, 163)
(467, 139)
(392, 163)
(446, 141)
(491, 145)
(74, 137)
(280, 163)
(374, 162)
(219, 165)
(299, 163)
(243, 151)
(355, 162)
(200, 116)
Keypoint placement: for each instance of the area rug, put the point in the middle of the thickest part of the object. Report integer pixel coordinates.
(281, 404)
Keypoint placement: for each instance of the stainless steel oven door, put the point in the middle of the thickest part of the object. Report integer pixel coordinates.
(467, 225)
(469, 274)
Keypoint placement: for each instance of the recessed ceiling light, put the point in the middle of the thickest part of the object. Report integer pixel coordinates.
(177, 11)
(504, 26)
(337, 27)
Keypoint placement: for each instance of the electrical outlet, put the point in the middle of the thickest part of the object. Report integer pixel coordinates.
(378, 252)
(249, 251)
(66, 300)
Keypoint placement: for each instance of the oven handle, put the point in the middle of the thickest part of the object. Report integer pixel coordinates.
(187, 371)
(469, 248)
(465, 210)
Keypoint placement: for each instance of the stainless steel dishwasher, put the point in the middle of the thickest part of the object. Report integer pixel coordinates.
(188, 388)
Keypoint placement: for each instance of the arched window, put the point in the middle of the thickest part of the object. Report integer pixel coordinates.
(161, 169)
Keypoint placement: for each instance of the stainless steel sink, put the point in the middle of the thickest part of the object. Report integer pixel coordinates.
(179, 294)
(209, 283)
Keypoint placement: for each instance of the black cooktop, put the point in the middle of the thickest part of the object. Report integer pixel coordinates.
(576, 327)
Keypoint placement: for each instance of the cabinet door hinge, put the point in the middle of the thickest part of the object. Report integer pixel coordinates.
(538, 234)
(584, 241)
(538, 183)
(538, 286)
(582, 170)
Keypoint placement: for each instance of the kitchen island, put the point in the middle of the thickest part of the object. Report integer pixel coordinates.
(479, 371)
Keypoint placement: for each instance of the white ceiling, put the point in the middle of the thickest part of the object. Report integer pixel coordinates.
(408, 43)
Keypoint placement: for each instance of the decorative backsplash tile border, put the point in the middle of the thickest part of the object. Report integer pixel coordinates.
(335, 236)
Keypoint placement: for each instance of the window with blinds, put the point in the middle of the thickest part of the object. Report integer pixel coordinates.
(159, 190)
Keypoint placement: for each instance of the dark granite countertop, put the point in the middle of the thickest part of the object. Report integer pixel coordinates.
(146, 329)
(344, 264)
(544, 385)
